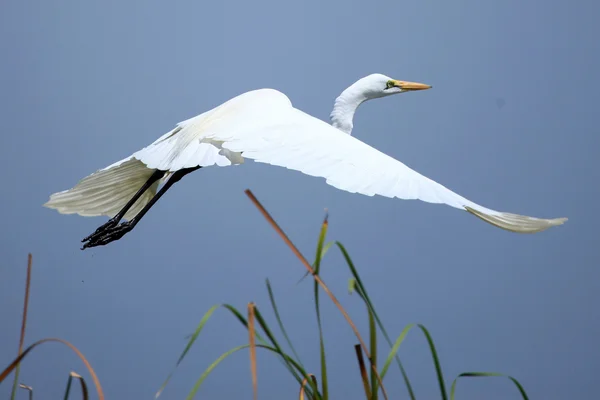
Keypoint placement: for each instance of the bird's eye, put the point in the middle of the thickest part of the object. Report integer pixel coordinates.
(389, 85)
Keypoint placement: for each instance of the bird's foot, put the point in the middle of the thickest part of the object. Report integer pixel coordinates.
(108, 235)
(111, 223)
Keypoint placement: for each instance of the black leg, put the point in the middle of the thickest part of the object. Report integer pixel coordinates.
(117, 232)
(115, 220)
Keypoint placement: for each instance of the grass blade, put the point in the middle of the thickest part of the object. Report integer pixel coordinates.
(303, 385)
(436, 361)
(263, 324)
(357, 284)
(324, 386)
(317, 268)
(193, 338)
(17, 360)
(486, 374)
(28, 388)
(68, 389)
(23, 325)
(395, 348)
(434, 355)
(363, 371)
(234, 350)
(211, 368)
(375, 378)
(252, 341)
(322, 235)
(280, 322)
(352, 285)
(84, 389)
(373, 337)
(326, 248)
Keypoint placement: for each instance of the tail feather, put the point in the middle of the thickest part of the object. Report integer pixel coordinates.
(106, 191)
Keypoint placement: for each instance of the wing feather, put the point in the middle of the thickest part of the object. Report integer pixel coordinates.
(264, 126)
(106, 191)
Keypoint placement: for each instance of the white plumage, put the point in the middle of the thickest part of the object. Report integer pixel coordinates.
(262, 125)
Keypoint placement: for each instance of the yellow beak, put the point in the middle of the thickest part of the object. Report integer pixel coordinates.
(404, 85)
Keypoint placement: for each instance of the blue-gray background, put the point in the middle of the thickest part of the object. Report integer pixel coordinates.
(510, 123)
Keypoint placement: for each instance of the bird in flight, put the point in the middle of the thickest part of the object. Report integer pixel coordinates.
(262, 125)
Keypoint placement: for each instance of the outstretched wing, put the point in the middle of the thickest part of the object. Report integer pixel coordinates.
(262, 125)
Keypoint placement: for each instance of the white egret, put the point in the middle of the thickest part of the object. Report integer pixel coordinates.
(262, 125)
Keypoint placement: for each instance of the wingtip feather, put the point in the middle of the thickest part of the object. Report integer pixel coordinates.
(517, 223)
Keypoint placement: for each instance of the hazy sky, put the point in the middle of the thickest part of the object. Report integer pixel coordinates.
(510, 123)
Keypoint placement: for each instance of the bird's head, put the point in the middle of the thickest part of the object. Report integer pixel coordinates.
(370, 87)
(378, 85)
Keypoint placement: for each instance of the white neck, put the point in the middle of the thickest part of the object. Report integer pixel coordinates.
(345, 106)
